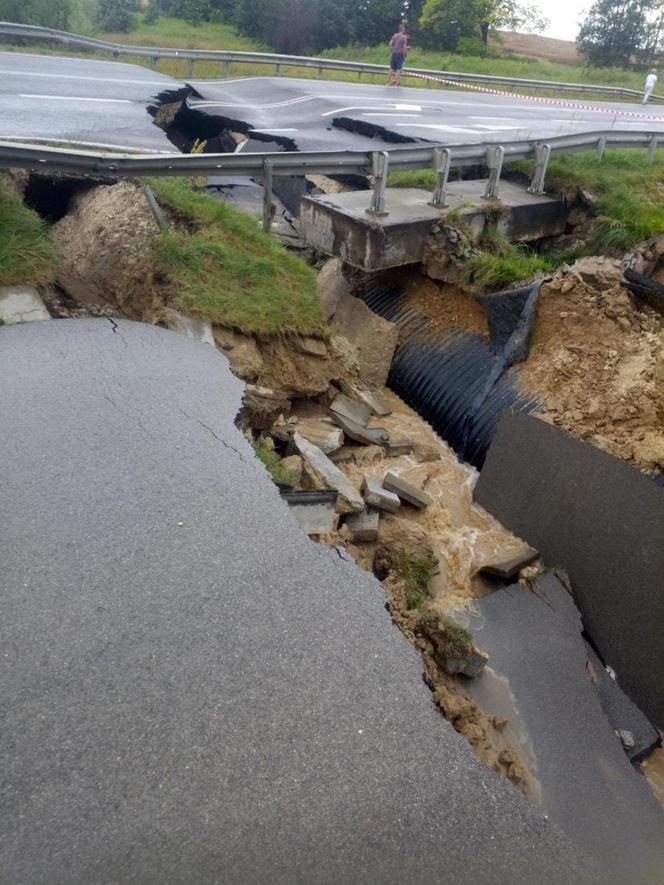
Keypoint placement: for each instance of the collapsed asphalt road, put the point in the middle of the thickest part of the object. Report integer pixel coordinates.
(193, 691)
(324, 115)
(88, 102)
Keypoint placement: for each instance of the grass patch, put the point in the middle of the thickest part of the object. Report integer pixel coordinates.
(225, 269)
(272, 462)
(416, 572)
(458, 641)
(422, 178)
(629, 193)
(27, 255)
(500, 263)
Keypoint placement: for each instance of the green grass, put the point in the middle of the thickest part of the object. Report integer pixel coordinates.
(272, 462)
(629, 194)
(27, 255)
(490, 271)
(416, 572)
(222, 267)
(458, 640)
(422, 178)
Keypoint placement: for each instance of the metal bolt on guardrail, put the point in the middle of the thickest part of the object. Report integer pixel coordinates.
(494, 160)
(441, 163)
(542, 156)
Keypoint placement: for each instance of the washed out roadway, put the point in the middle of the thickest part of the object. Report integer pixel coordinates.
(193, 691)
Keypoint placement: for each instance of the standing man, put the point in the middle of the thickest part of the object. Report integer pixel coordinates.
(651, 82)
(399, 46)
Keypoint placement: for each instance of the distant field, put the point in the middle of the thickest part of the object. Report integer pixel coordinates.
(541, 48)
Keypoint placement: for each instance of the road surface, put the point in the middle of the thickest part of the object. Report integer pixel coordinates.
(192, 690)
(104, 104)
(100, 104)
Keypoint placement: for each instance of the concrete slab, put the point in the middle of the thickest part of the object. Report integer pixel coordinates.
(367, 436)
(329, 473)
(314, 511)
(508, 568)
(325, 435)
(363, 526)
(193, 691)
(603, 522)
(21, 304)
(338, 224)
(406, 491)
(349, 408)
(537, 658)
(380, 498)
(374, 399)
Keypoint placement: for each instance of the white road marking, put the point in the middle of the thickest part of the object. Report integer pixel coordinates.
(24, 74)
(272, 130)
(408, 107)
(76, 98)
(393, 114)
(439, 127)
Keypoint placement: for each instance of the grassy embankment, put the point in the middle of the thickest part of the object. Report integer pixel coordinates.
(221, 266)
(26, 253)
(629, 207)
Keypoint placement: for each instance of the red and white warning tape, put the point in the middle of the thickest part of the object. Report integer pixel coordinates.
(540, 98)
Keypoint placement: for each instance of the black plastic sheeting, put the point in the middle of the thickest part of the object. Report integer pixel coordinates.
(454, 380)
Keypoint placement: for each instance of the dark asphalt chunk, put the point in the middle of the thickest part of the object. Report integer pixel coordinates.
(603, 522)
(588, 786)
(192, 691)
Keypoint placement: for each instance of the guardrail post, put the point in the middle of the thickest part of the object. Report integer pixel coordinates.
(190, 67)
(268, 205)
(601, 147)
(542, 155)
(652, 148)
(494, 160)
(225, 68)
(278, 68)
(380, 163)
(153, 63)
(441, 165)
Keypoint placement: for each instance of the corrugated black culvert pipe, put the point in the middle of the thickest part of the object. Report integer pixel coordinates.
(454, 380)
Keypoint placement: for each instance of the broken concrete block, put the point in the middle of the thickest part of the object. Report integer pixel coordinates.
(512, 565)
(377, 496)
(332, 285)
(314, 511)
(374, 399)
(191, 327)
(406, 491)
(396, 447)
(21, 304)
(374, 338)
(312, 347)
(363, 526)
(329, 473)
(348, 408)
(326, 436)
(368, 436)
(242, 352)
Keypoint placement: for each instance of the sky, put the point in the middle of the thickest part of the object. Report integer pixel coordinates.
(564, 16)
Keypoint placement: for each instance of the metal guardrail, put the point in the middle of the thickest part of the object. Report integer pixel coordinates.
(226, 58)
(371, 163)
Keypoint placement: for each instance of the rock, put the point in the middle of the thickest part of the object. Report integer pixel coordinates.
(372, 398)
(377, 496)
(599, 272)
(329, 473)
(471, 665)
(349, 356)
(332, 286)
(105, 244)
(191, 327)
(423, 452)
(368, 436)
(314, 511)
(348, 408)
(312, 347)
(374, 338)
(626, 738)
(406, 491)
(507, 568)
(326, 436)
(294, 464)
(21, 304)
(363, 526)
(242, 352)
(262, 407)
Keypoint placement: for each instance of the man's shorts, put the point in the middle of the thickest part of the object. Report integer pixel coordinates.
(397, 62)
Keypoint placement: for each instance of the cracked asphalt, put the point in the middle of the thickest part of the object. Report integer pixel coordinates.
(192, 690)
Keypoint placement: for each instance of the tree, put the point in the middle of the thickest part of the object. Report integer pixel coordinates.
(114, 15)
(444, 22)
(614, 31)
